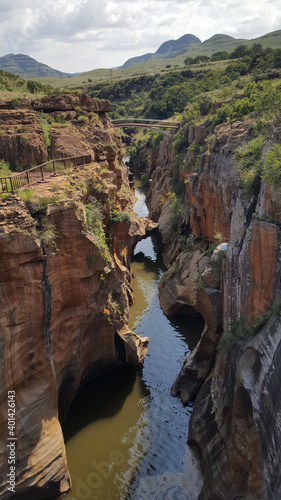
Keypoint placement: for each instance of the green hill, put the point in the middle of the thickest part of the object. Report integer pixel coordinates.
(169, 49)
(163, 60)
(27, 67)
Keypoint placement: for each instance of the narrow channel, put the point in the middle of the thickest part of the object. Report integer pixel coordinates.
(125, 434)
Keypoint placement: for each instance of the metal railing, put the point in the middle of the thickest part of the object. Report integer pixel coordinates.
(144, 123)
(42, 172)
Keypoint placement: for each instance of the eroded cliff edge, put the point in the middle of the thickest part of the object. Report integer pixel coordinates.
(222, 250)
(65, 249)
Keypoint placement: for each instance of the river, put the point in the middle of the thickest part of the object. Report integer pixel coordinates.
(125, 434)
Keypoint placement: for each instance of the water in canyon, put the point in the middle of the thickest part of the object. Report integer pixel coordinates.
(125, 434)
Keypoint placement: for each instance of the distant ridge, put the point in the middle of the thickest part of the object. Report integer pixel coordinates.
(190, 45)
(27, 67)
(168, 50)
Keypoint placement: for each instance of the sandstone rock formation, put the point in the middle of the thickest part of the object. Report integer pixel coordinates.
(21, 138)
(235, 424)
(64, 306)
(22, 142)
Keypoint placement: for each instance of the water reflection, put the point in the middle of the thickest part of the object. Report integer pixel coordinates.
(105, 435)
(169, 340)
(125, 434)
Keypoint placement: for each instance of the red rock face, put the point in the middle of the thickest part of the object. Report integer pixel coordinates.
(262, 259)
(55, 331)
(235, 422)
(21, 138)
(211, 207)
(68, 102)
(60, 310)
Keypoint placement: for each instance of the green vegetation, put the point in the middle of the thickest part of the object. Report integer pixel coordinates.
(210, 250)
(94, 218)
(117, 216)
(15, 103)
(45, 130)
(172, 272)
(91, 259)
(252, 170)
(271, 171)
(27, 194)
(47, 232)
(4, 169)
(157, 65)
(175, 202)
(11, 85)
(241, 79)
(27, 67)
(30, 196)
(242, 330)
(248, 160)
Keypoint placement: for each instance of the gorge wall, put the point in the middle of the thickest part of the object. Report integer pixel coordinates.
(65, 248)
(222, 251)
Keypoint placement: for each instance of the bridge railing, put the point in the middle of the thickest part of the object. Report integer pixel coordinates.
(42, 172)
(142, 122)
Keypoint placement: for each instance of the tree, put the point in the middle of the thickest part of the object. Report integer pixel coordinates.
(240, 51)
(222, 55)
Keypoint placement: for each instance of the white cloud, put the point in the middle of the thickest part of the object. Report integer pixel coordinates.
(79, 35)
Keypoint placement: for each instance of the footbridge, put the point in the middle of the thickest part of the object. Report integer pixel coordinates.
(157, 125)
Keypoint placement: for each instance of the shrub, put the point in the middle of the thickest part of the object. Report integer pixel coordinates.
(117, 216)
(156, 139)
(15, 103)
(4, 169)
(83, 119)
(211, 248)
(179, 141)
(45, 130)
(175, 203)
(243, 330)
(248, 162)
(271, 171)
(94, 218)
(47, 233)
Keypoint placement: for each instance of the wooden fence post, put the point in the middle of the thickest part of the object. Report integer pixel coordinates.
(11, 183)
(42, 172)
(28, 179)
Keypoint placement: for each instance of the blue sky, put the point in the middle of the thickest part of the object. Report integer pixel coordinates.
(80, 35)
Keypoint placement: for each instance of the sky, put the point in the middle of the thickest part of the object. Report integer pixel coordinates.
(81, 35)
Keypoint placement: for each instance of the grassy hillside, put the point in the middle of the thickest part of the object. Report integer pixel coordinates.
(157, 65)
(12, 86)
(168, 50)
(27, 67)
(163, 94)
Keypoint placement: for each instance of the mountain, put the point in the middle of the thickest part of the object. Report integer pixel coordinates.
(190, 45)
(27, 67)
(168, 50)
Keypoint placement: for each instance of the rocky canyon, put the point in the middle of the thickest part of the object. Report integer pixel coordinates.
(65, 250)
(222, 251)
(65, 279)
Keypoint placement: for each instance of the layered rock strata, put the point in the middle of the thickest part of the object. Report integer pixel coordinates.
(236, 288)
(65, 119)
(65, 298)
